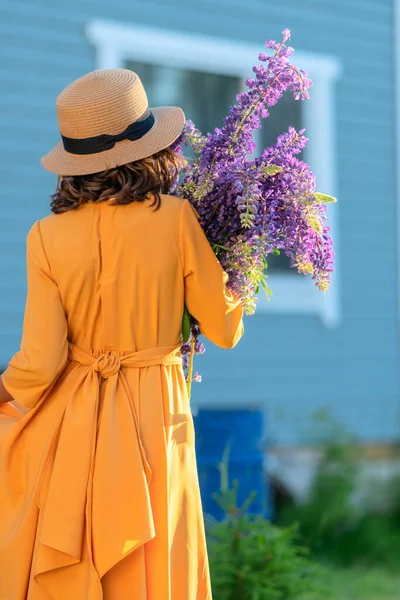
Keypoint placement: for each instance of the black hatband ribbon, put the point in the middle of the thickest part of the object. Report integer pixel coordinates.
(100, 143)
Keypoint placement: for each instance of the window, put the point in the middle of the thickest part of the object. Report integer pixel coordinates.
(203, 74)
(288, 112)
(204, 97)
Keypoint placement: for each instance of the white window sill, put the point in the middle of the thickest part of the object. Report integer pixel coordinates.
(297, 295)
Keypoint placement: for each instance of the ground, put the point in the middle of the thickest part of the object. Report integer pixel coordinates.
(361, 584)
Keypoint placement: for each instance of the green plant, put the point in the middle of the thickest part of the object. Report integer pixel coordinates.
(333, 525)
(394, 496)
(359, 583)
(329, 511)
(252, 559)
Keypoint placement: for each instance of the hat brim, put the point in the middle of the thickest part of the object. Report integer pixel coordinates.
(168, 125)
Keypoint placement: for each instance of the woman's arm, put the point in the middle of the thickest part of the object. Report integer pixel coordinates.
(217, 310)
(44, 346)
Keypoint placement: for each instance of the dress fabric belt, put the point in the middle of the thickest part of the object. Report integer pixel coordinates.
(94, 489)
(110, 362)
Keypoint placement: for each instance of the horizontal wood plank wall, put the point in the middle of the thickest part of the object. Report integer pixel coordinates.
(292, 366)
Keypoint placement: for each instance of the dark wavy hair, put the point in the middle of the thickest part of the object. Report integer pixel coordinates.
(134, 182)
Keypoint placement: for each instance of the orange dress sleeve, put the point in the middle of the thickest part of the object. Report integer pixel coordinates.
(44, 347)
(217, 310)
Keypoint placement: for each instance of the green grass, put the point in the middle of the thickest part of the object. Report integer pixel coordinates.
(362, 584)
(358, 584)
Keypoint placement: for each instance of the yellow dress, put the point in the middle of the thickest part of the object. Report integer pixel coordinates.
(99, 495)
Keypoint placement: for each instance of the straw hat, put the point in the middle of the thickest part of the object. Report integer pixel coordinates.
(105, 121)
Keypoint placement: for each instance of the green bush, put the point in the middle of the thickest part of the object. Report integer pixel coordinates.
(251, 559)
(328, 512)
(337, 529)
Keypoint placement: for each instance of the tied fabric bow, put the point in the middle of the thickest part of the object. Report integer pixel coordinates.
(94, 514)
(101, 143)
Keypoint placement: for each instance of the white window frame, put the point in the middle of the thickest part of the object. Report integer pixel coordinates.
(115, 43)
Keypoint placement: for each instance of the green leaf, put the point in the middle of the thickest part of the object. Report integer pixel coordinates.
(277, 252)
(271, 170)
(248, 501)
(265, 262)
(223, 468)
(266, 289)
(324, 198)
(216, 247)
(186, 325)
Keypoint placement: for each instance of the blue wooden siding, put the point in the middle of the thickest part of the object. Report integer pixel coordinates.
(291, 365)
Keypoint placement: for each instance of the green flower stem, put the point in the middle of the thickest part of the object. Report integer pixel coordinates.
(248, 114)
(190, 370)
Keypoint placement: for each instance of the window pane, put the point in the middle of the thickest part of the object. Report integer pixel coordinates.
(279, 264)
(287, 113)
(204, 97)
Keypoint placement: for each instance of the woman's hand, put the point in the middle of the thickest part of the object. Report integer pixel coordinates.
(6, 398)
(22, 409)
(4, 395)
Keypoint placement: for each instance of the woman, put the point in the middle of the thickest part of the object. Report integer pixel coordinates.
(99, 493)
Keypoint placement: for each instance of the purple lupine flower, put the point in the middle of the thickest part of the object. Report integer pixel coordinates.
(251, 207)
(199, 347)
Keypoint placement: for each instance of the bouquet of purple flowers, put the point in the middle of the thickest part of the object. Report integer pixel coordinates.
(251, 207)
